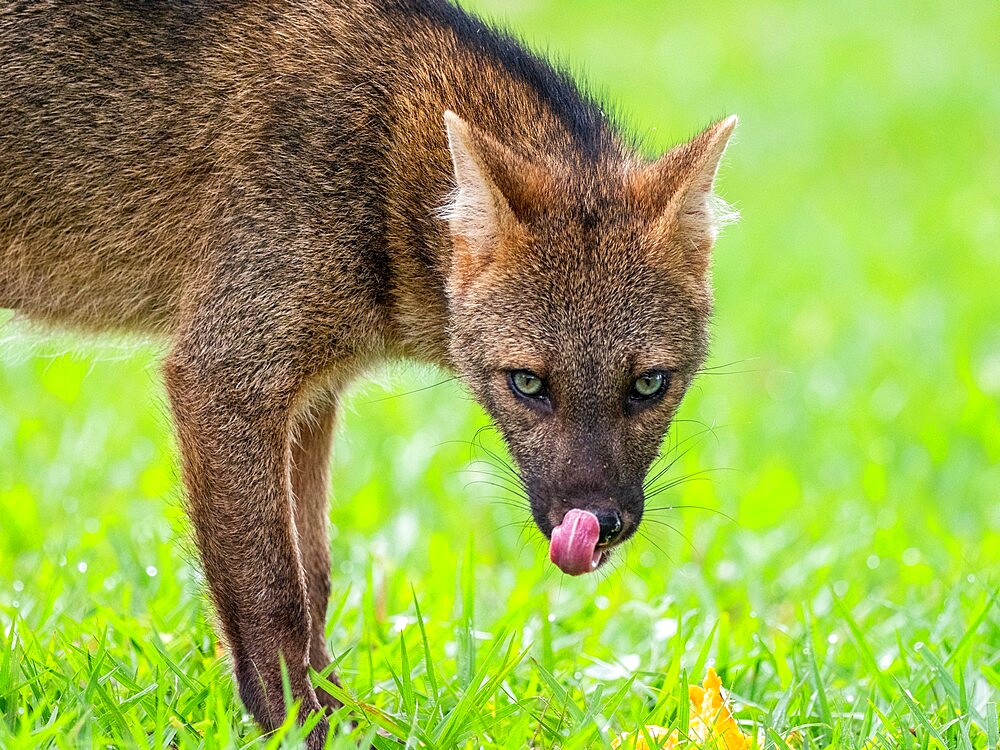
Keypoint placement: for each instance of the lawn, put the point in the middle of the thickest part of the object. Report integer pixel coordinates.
(830, 541)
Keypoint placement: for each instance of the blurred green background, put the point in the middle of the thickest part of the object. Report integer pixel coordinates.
(850, 431)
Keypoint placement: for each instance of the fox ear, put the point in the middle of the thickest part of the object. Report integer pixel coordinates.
(491, 185)
(681, 184)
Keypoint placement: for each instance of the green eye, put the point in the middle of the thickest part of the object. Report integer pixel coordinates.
(649, 385)
(526, 383)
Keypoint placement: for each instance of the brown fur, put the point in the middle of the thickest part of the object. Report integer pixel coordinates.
(263, 184)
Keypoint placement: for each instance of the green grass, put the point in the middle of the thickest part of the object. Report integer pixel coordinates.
(839, 563)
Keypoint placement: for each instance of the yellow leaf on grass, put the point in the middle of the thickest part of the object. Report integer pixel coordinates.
(712, 724)
(712, 721)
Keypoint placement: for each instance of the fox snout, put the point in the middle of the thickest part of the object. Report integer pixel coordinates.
(610, 527)
(617, 519)
(583, 528)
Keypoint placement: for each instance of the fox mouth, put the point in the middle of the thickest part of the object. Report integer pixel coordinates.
(575, 546)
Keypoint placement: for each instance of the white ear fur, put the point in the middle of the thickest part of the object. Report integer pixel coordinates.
(700, 213)
(476, 208)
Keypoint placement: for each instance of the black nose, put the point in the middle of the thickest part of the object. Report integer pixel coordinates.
(611, 526)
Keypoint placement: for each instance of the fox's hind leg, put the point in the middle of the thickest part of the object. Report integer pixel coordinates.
(311, 441)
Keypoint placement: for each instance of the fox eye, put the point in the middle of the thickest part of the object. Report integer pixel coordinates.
(649, 385)
(527, 384)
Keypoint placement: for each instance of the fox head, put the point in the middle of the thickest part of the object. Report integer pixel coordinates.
(579, 304)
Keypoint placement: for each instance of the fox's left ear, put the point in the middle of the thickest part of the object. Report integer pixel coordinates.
(493, 185)
(680, 185)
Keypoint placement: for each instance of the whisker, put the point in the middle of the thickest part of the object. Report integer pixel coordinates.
(676, 447)
(521, 502)
(507, 491)
(693, 421)
(671, 446)
(518, 505)
(677, 531)
(503, 526)
(509, 475)
(509, 503)
(529, 537)
(671, 485)
(672, 528)
(733, 372)
(518, 488)
(473, 444)
(476, 443)
(522, 541)
(648, 482)
(695, 476)
(628, 565)
(714, 370)
(477, 437)
(648, 538)
(607, 570)
(489, 483)
(410, 393)
(664, 508)
(500, 462)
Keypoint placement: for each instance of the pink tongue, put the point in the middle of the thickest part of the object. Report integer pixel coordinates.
(574, 543)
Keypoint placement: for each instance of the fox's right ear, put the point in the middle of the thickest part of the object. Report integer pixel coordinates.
(681, 186)
(491, 185)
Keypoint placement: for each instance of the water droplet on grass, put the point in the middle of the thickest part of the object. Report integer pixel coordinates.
(664, 629)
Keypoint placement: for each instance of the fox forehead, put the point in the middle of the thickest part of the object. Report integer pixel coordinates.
(564, 311)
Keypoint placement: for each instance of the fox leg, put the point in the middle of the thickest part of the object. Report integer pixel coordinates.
(232, 401)
(310, 485)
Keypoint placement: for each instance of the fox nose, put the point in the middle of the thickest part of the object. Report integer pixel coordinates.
(611, 526)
